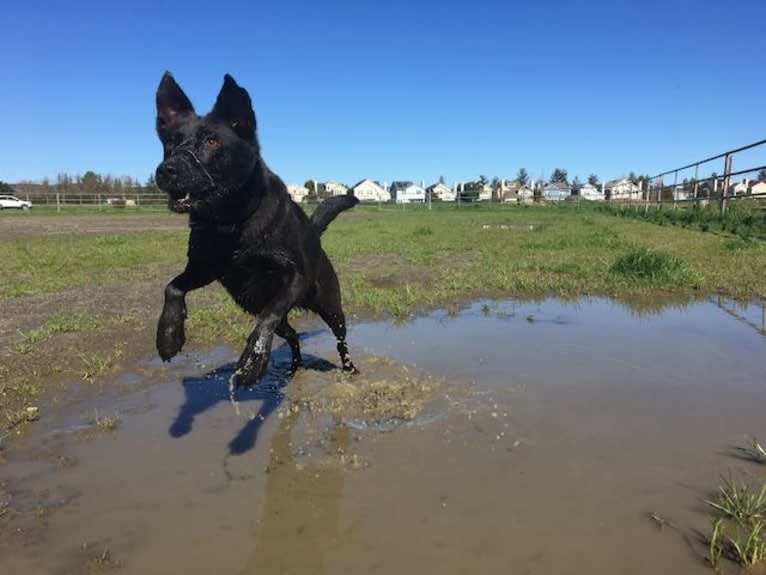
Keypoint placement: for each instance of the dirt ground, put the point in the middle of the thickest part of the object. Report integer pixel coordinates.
(126, 312)
(26, 227)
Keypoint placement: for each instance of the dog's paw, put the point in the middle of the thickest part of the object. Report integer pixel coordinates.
(250, 367)
(349, 367)
(170, 338)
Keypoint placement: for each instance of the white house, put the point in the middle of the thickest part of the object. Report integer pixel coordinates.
(680, 193)
(485, 194)
(740, 189)
(525, 195)
(758, 188)
(407, 193)
(556, 191)
(623, 189)
(591, 193)
(297, 193)
(370, 191)
(442, 191)
(335, 188)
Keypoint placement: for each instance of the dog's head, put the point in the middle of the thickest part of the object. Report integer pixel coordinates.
(207, 159)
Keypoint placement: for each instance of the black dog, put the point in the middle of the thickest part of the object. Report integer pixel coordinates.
(246, 232)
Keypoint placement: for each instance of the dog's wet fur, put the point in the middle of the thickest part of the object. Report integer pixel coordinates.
(246, 232)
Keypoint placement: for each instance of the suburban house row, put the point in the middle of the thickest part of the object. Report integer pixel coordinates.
(405, 192)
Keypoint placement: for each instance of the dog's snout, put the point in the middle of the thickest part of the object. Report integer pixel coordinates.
(166, 171)
(165, 175)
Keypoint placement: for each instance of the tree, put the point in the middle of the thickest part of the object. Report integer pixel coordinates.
(762, 176)
(90, 182)
(441, 180)
(632, 177)
(6, 189)
(151, 186)
(559, 176)
(522, 177)
(593, 180)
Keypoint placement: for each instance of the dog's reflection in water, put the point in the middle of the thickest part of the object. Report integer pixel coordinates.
(299, 520)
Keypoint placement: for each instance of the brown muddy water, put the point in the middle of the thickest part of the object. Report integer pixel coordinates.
(507, 438)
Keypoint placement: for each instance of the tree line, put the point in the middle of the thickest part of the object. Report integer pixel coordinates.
(90, 183)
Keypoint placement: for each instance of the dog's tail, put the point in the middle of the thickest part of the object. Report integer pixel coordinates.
(329, 209)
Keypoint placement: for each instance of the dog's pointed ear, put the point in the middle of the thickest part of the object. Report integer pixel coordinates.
(172, 103)
(234, 108)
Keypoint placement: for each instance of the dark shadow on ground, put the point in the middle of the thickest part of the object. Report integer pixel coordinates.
(206, 391)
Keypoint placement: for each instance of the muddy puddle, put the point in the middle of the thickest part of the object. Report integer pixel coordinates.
(506, 438)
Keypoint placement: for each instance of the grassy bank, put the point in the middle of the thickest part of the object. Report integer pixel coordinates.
(745, 219)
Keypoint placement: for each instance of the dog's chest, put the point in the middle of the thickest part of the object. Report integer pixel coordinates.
(254, 279)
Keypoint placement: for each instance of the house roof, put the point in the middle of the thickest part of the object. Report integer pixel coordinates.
(360, 182)
(401, 185)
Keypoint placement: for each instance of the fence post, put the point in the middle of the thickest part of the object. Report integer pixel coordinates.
(696, 184)
(726, 181)
(58, 203)
(675, 189)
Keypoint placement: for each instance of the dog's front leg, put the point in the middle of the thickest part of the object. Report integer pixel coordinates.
(255, 358)
(170, 328)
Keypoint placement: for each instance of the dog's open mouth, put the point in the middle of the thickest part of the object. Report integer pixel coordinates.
(180, 206)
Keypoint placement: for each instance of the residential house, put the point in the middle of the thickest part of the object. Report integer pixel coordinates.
(407, 193)
(591, 193)
(297, 193)
(441, 191)
(681, 193)
(525, 195)
(335, 188)
(622, 189)
(370, 191)
(556, 191)
(740, 189)
(758, 188)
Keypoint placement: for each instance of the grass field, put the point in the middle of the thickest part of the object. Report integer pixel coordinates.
(394, 260)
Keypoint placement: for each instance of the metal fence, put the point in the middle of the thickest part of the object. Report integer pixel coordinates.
(65, 200)
(697, 183)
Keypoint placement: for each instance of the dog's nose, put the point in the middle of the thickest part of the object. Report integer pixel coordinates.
(165, 174)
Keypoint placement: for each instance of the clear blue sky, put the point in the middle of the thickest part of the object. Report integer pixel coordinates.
(389, 90)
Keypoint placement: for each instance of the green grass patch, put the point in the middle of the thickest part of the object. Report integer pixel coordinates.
(35, 266)
(738, 532)
(56, 325)
(643, 264)
(96, 364)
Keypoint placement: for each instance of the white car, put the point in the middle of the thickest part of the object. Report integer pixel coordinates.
(8, 202)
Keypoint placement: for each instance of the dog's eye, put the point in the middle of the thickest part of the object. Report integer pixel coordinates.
(211, 142)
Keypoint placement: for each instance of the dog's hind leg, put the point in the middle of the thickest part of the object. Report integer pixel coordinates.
(334, 318)
(327, 304)
(286, 331)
